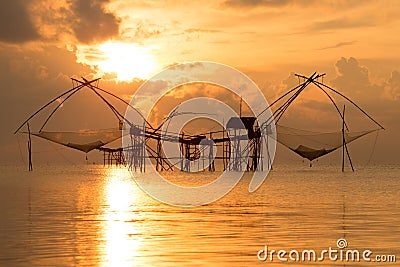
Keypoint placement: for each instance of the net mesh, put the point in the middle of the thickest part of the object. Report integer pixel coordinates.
(312, 145)
(82, 140)
(307, 144)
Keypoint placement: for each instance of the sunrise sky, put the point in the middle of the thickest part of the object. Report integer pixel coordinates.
(45, 42)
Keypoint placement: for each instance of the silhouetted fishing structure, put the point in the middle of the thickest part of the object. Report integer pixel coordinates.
(242, 142)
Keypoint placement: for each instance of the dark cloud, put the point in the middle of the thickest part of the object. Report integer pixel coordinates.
(380, 97)
(351, 75)
(393, 85)
(291, 81)
(92, 22)
(375, 96)
(338, 45)
(145, 31)
(15, 23)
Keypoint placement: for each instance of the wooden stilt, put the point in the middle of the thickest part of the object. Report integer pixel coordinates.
(30, 166)
(343, 138)
(348, 156)
(144, 147)
(240, 107)
(345, 145)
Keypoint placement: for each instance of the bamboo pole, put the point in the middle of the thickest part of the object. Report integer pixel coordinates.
(343, 139)
(30, 166)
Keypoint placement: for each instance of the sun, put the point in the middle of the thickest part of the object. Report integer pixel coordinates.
(126, 60)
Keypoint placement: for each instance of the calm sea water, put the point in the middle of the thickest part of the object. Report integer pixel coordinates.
(96, 216)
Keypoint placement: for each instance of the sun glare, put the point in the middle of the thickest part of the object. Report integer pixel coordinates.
(127, 61)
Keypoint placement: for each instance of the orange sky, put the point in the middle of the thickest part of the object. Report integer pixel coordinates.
(44, 43)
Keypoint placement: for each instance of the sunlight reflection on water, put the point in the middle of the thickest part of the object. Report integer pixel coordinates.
(98, 216)
(121, 237)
